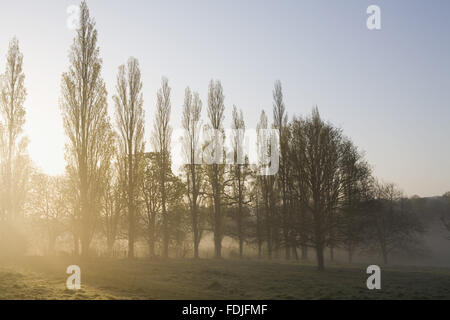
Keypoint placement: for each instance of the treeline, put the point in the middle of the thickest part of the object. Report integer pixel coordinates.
(322, 196)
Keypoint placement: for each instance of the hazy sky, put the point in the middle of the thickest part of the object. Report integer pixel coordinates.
(388, 89)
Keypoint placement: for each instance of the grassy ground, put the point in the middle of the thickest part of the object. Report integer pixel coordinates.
(44, 278)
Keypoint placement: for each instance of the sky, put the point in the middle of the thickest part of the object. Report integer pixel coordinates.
(388, 89)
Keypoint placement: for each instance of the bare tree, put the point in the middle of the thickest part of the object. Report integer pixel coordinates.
(113, 201)
(280, 123)
(13, 143)
(86, 121)
(192, 148)
(356, 190)
(215, 170)
(239, 172)
(255, 197)
(266, 182)
(392, 227)
(49, 207)
(178, 218)
(150, 191)
(315, 157)
(130, 124)
(161, 144)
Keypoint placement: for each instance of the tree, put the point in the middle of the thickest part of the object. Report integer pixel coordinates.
(86, 121)
(113, 200)
(280, 124)
(214, 151)
(74, 203)
(178, 217)
(266, 181)
(161, 143)
(49, 207)
(255, 196)
(315, 157)
(150, 191)
(13, 144)
(192, 148)
(239, 172)
(130, 124)
(153, 221)
(392, 227)
(356, 190)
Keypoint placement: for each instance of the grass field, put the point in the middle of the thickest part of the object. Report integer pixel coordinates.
(44, 278)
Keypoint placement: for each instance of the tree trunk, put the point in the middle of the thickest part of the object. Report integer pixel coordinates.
(217, 214)
(320, 258)
(165, 222)
(164, 209)
(196, 242)
(241, 248)
(151, 238)
(84, 216)
(165, 234)
(269, 243)
(319, 236)
(195, 227)
(217, 246)
(286, 239)
(287, 250)
(268, 227)
(130, 235)
(258, 229)
(350, 253)
(277, 244)
(240, 232)
(131, 222)
(217, 232)
(304, 252)
(294, 252)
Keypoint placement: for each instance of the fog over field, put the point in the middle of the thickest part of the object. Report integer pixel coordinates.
(173, 158)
